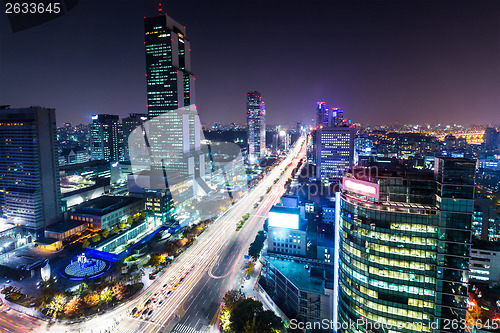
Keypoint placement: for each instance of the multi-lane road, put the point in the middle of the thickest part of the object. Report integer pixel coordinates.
(186, 297)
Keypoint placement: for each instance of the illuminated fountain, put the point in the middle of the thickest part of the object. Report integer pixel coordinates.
(85, 268)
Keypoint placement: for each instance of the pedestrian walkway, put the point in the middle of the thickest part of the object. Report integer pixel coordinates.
(180, 328)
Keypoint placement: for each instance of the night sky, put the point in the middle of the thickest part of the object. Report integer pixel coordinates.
(381, 61)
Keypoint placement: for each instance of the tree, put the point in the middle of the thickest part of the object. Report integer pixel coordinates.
(73, 307)
(57, 305)
(181, 242)
(267, 321)
(106, 295)
(96, 238)
(250, 326)
(114, 230)
(243, 312)
(257, 245)
(119, 290)
(122, 225)
(231, 298)
(85, 244)
(105, 233)
(248, 270)
(156, 260)
(171, 248)
(92, 299)
(130, 220)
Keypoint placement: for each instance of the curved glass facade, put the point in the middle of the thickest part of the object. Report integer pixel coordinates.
(387, 264)
(405, 249)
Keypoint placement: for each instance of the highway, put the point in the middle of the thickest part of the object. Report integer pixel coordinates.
(186, 297)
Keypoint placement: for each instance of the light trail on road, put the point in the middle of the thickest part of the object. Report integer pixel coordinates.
(208, 251)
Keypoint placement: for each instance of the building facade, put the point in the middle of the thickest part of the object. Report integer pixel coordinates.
(485, 263)
(30, 193)
(256, 126)
(334, 152)
(174, 130)
(404, 247)
(106, 135)
(129, 124)
(106, 211)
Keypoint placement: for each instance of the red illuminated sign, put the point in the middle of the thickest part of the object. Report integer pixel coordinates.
(361, 187)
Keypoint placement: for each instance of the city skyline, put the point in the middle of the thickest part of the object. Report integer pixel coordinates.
(438, 65)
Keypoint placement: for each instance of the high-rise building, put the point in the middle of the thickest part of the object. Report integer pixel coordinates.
(321, 114)
(30, 193)
(404, 240)
(174, 132)
(334, 152)
(130, 123)
(170, 82)
(256, 123)
(328, 117)
(106, 135)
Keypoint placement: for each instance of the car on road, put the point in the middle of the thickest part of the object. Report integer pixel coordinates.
(168, 294)
(134, 310)
(148, 302)
(150, 313)
(145, 312)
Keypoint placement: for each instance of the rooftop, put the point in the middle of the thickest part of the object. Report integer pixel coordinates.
(104, 205)
(64, 226)
(298, 275)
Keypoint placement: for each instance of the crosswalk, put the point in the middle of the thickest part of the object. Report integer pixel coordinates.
(180, 328)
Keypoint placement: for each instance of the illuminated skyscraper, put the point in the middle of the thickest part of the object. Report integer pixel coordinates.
(30, 193)
(256, 123)
(173, 133)
(404, 241)
(328, 117)
(321, 114)
(106, 136)
(169, 79)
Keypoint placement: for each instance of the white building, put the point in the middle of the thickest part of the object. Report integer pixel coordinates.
(484, 264)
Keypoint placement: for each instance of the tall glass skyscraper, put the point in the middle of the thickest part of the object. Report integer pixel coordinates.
(30, 193)
(404, 248)
(173, 133)
(256, 126)
(106, 136)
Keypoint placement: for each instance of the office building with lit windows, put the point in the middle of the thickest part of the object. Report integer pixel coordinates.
(256, 126)
(334, 152)
(30, 193)
(321, 114)
(173, 133)
(404, 239)
(106, 137)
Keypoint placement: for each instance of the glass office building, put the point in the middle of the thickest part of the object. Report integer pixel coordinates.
(404, 248)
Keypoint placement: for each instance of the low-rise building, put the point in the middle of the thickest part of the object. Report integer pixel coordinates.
(106, 211)
(65, 229)
(484, 263)
(287, 231)
(303, 291)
